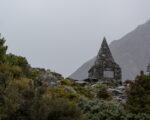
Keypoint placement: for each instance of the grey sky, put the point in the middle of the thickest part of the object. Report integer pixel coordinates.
(62, 34)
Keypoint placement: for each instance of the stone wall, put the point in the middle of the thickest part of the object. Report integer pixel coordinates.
(105, 67)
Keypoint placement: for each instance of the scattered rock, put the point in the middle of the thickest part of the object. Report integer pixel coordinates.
(49, 79)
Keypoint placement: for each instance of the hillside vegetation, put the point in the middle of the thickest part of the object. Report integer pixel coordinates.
(28, 93)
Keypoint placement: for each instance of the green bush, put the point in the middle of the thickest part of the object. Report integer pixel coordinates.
(19, 61)
(62, 92)
(61, 109)
(107, 110)
(65, 82)
(57, 75)
(87, 92)
(138, 96)
(10, 102)
(102, 92)
(3, 50)
(140, 116)
(13, 71)
(102, 110)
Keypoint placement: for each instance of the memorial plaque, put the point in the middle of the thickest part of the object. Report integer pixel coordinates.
(108, 74)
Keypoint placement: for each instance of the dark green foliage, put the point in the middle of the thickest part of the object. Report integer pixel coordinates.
(14, 60)
(39, 106)
(3, 50)
(10, 102)
(65, 82)
(61, 109)
(102, 110)
(138, 100)
(87, 92)
(140, 116)
(29, 103)
(4, 77)
(107, 110)
(34, 73)
(53, 109)
(57, 75)
(65, 92)
(102, 92)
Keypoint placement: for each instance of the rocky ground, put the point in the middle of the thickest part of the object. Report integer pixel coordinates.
(118, 92)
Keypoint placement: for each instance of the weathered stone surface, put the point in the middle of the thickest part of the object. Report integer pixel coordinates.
(105, 69)
(48, 78)
(119, 93)
(81, 82)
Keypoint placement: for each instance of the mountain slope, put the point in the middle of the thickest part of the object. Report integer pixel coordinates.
(131, 52)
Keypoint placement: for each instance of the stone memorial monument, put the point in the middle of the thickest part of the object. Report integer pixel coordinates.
(105, 68)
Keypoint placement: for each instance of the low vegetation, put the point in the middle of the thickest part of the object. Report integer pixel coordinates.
(25, 97)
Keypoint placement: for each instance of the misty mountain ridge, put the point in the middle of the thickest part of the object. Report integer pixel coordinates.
(131, 52)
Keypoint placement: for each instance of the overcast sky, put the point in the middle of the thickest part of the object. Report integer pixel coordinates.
(63, 34)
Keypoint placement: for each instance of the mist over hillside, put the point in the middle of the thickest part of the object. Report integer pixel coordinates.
(131, 52)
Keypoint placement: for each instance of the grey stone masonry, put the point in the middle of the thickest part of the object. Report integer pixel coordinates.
(105, 68)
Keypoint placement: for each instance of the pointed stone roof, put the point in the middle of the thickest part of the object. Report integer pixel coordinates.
(104, 53)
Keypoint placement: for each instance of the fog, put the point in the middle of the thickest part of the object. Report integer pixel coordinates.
(63, 34)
